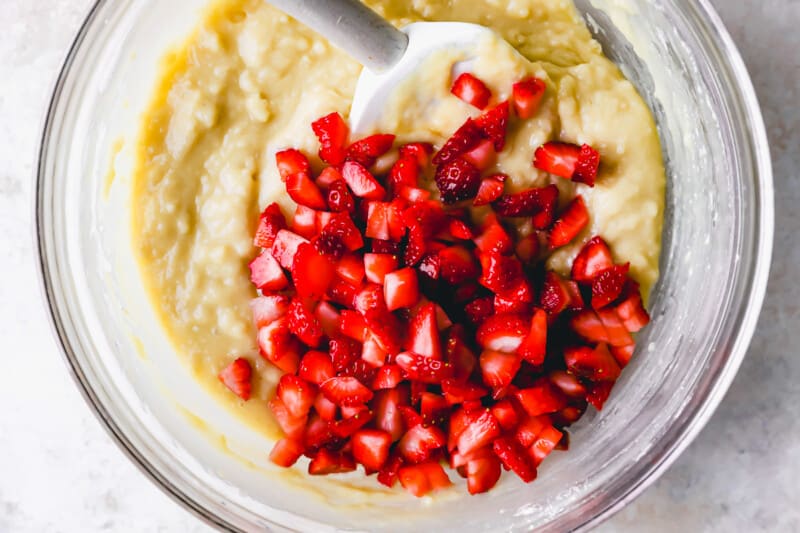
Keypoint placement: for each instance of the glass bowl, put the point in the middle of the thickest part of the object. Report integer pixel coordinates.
(717, 248)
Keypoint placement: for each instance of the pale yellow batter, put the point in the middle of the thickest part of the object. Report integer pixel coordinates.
(250, 81)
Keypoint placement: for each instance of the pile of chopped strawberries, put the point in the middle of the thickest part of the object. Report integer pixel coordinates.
(411, 335)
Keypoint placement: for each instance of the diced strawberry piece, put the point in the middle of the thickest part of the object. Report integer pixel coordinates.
(339, 198)
(292, 426)
(618, 334)
(304, 222)
(540, 399)
(467, 137)
(456, 392)
(275, 341)
(424, 369)
(286, 452)
(589, 326)
(516, 299)
(494, 123)
(404, 173)
(270, 223)
(297, 394)
(608, 284)
(291, 162)
(387, 413)
(482, 156)
(388, 474)
(323, 219)
(304, 191)
(534, 347)
(419, 443)
(546, 442)
(459, 356)
(623, 354)
(351, 269)
(370, 301)
(499, 369)
(424, 333)
(515, 458)
(575, 297)
(482, 474)
(344, 351)
(530, 428)
(367, 150)
(526, 96)
(316, 367)
(332, 132)
(598, 393)
(460, 230)
(471, 90)
(421, 152)
(593, 364)
(479, 310)
(236, 376)
(527, 249)
(268, 309)
(353, 325)
(361, 182)
(506, 414)
(351, 421)
(493, 237)
(423, 478)
(328, 177)
(325, 408)
(480, 429)
(312, 273)
(341, 229)
(593, 258)
(528, 203)
(346, 391)
(457, 265)
(326, 462)
(285, 247)
(400, 288)
(371, 448)
(490, 189)
(569, 161)
(373, 354)
(266, 274)
(377, 266)
(304, 324)
(388, 377)
(499, 272)
(329, 317)
(555, 297)
(457, 180)
(414, 194)
(571, 222)
(503, 333)
(433, 408)
(568, 383)
(632, 313)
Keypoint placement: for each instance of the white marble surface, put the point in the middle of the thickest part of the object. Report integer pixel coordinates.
(59, 471)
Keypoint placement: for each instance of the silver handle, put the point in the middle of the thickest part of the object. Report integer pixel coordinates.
(351, 26)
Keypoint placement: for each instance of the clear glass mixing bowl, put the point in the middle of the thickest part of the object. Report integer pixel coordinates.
(717, 248)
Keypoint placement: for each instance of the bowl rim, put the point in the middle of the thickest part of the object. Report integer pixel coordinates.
(752, 303)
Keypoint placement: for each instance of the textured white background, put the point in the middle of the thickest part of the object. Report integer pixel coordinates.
(59, 471)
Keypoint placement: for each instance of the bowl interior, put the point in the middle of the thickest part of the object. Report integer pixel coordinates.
(716, 249)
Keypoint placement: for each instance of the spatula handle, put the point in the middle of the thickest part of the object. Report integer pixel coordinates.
(351, 26)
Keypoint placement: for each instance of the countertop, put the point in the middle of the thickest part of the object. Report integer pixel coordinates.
(59, 471)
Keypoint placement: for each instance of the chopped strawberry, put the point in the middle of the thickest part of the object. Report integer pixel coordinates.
(270, 223)
(286, 452)
(479, 310)
(526, 96)
(571, 222)
(304, 222)
(266, 274)
(367, 150)
(498, 368)
(570, 161)
(423, 332)
(423, 478)
(327, 462)
(503, 333)
(276, 343)
(361, 182)
(593, 258)
(388, 376)
(568, 383)
(404, 174)
(459, 356)
(471, 90)
(377, 266)
(292, 162)
(608, 284)
(421, 152)
(618, 334)
(371, 448)
(318, 434)
(499, 272)
(285, 247)
(482, 474)
(589, 326)
(312, 273)
(353, 325)
(545, 443)
(268, 309)
(632, 313)
(537, 203)
(460, 230)
(304, 324)
(339, 232)
(327, 178)
(332, 132)
(387, 405)
(325, 408)
(419, 443)
(457, 180)
(515, 458)
(516, 299)
(482, 156)
(433, 408)
(506, 414)
(400, 288)
(490, 189)
(424, 369)
(598, 393)
(534, 347)
(527, 249)
(304, 191)
(351, 421)
(623, 354)
(457, 265)
(467, 137)
(351, 269)
(415, 194)
(236, 376)
(346, 391)
(297, 394)
(339, 198)
(540, 399)
(456, 392)
(292, 426)
(494, 123)
(343, 351)
(388, 474)
(493, 237)
(593, 364)
(530, 428)
(481, 428)
(373, 354)
(316, 367)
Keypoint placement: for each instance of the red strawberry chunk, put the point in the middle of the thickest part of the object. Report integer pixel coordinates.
(490, 189)
(618, 334)
(587, 166)
(545, 443)
(286, 452)
(343, 351)
(589, 326)
(285, 247)
(526, 96)
(623, 354)
(342, 229)
(456, 392)
(506, 414)
(332, 132)
(467, 137)
(388, 474)
(367, 150)
(593, 258)
(459, 356)
(471, 90)
(304, 191)
(598, 393)
(326, 462)
(312, 273)
(460, 230)
(515, 458)
(433, 408)
(607, 285)
(325, 408)
(292, 162)
(530, 428)
(482, 474)
(593, 364)
(351, 422)
(275, 341)
(351, 269)
(388, 417)
(423, 478)
(328, 177)
(354, 325)
(493, 237)
(555, 297)
(401, 289)
(503, 333)
(482, 156)
(292, 426)
(419, 443)
(268, 309)
(423, 333)
(423, 369)
(457, 180)
(270, 223)
(371, 448)
(347, 391)
(421, 152)
(481, 428)
(529, 203)
(457, 265)
(541, 399)
(388, 377)
(304, 222)
(632, 313)
(527, 249)
(404, 173)
(318, 433)
(499, 369)
(361, 182)
(571, 222)
(569, 161)
(316, 367)
(339, 198)
(493, 124)
(516, 299)
(534, 347)
(266, 274)
(373, 354)
(377, 266)
(236, 376)
(568, 383)
(479, 310)
(499, 272)
(297, 394)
